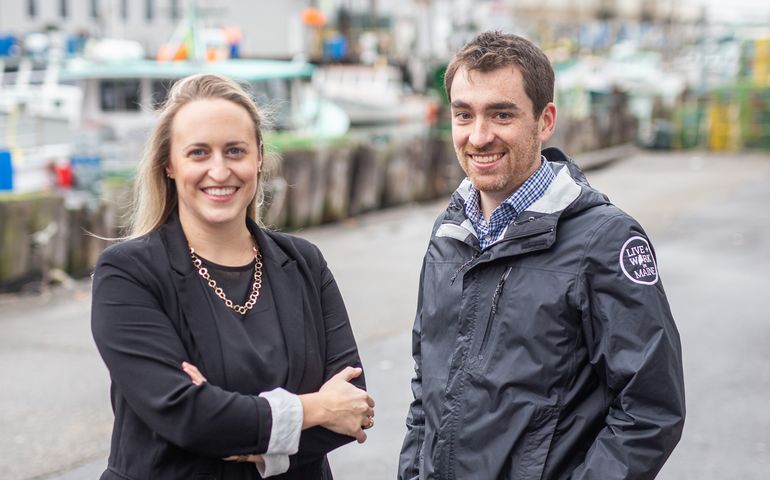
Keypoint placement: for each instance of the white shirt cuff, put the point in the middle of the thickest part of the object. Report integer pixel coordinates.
(273, 465)
(286, 409)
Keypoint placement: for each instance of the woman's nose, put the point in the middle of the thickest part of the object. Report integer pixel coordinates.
(218, 170)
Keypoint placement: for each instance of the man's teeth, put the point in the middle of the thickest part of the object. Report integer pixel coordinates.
(220, 192)
(487, 158)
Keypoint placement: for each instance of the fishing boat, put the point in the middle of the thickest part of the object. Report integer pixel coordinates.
(372, 95)
(124, 94)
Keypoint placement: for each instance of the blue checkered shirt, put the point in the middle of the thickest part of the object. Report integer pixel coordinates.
(529, 192)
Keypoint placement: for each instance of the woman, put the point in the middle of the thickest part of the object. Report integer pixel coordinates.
(198, 288)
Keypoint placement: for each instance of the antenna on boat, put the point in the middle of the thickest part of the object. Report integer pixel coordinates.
(188, 41)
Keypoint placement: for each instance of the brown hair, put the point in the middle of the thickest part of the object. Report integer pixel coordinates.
(489, 51)
(154, 193)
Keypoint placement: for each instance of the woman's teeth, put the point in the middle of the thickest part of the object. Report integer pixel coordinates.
(220, 191)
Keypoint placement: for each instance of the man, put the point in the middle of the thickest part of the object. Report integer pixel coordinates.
(544, 344)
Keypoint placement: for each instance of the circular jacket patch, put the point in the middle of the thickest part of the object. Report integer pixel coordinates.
(637, 261)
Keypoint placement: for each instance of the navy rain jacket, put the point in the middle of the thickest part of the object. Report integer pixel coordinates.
(551, 354)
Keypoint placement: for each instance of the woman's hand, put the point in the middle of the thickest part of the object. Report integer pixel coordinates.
(340, 406)
(244, 458)
(195, 375)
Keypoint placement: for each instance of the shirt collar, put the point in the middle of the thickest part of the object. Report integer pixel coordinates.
(518, 201)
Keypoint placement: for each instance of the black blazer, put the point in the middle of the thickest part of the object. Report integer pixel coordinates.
(150, 312)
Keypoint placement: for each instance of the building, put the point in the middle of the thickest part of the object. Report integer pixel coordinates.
(269, 29)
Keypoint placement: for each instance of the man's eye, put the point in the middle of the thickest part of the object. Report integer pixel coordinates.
(463, 116)
(504, 115)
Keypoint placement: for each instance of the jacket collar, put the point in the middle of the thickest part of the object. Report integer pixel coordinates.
(197, 315)
(534, 229)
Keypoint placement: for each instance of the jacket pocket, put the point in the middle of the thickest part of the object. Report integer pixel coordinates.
(529, 461)
(486, 332)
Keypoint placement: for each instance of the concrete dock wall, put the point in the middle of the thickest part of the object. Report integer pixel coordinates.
(308, 186)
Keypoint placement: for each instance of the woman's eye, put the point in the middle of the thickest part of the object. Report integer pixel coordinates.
(235, 151)
(197, 152)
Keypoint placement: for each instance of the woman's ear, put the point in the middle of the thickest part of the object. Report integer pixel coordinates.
(261, 156)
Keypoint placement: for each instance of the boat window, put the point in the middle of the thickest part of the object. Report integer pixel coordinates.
(124, 9)
(174, 9)
(149, 9)
(279, 92)
(160, 90)
(119, 95)
(272, 96)
(32, 8)
(260, 94)
(63, 8)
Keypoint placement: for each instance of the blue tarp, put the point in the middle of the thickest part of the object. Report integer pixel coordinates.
(6, 170)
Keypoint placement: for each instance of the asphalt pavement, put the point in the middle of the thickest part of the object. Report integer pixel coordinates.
(707, 217)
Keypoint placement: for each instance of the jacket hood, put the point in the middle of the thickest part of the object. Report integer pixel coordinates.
(587, 198)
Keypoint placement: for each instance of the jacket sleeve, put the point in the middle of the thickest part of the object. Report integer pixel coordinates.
(409, 460)
(634, 346)
(341, 352)
(143, 353)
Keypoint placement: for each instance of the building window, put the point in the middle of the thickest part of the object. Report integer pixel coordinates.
(174, 9)
(160, 89)
(32, 8)
(119, 95)
(94, 9)
(124, 9)
(149, 9)
(63, 8)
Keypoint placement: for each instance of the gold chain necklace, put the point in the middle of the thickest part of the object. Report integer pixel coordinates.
(242, 309)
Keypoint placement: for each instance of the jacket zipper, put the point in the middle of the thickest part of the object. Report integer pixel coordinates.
(493, 311)
(457, 272)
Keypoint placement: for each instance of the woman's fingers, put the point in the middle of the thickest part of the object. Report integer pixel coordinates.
(253, 458)
(195, 375)
(368, 423)
(349, 373)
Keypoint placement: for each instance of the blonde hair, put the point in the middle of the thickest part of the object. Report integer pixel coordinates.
(155, 194)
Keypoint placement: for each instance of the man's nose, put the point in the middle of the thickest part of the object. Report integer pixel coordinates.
(481, 135)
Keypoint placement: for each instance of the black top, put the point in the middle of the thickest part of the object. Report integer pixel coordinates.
(253, 348)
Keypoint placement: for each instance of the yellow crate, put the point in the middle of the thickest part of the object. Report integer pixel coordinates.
(723, 127)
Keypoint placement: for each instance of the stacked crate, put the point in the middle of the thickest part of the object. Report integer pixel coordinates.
(739, 114)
